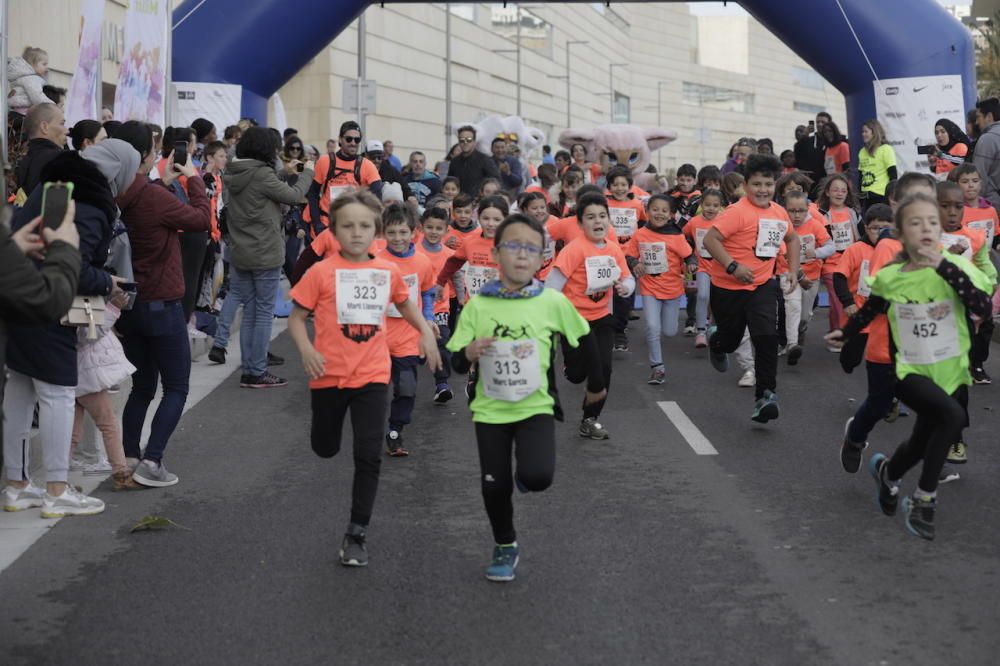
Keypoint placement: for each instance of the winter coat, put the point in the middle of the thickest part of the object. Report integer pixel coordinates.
(101, 364)
(28, 173)
(987, 159)
(255, 195)
(25, 86)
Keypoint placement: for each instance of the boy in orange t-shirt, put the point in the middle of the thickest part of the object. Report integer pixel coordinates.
(744, 241)
(978, 213)
(348, 363)
(435, 226)
(627, 214)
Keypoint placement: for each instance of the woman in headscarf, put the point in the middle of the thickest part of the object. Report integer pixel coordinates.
(951, 148)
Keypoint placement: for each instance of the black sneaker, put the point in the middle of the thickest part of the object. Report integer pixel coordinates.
(274, 359)
(766, 408)
(794, 354)
(266, 380)
(353, 552)
(850, 452)
(979, 376)
(394, 444)
(948, 474)
(442, 394)
(887, 494)
(920, 515)
(621, 342)
(217, 355)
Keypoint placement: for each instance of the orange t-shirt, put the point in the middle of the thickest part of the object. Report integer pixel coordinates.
(810, 233)
(625, 216)
(567, 230)
(984, 219)
(877, 350)
(664, 254)
(438, 260)
(549, 253)
(326, 244)
(695, 231)
(461, 235)
(343, 179)
(976, 238)
(753, 237)
(541, 190)
(349, 300)
(418, 274)
(835, 158)
(839, 226)
(591, 272)
(477, 252)
(855, 265)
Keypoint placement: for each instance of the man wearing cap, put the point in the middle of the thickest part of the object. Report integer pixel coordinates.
(375, 152)
(339, 172)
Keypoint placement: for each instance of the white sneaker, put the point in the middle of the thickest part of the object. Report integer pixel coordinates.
(71, 503)
(76, 463)
(19, 499)
(782, 350)
(99, 468)
(748, 380)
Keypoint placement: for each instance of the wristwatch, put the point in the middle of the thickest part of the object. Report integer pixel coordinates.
(731, 268)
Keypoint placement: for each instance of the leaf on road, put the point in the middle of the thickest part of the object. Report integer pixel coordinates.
(155, 523)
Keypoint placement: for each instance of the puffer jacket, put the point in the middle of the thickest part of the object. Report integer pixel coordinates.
(255, 195)
(25, 85)
(101, 364)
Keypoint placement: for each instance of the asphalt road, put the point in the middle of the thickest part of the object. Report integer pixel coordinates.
(641, 552)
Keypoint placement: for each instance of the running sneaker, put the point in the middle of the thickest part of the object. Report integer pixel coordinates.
(71, 503)
(887, 494)
(353, 550)
(701, 340)
(266, 380)
(850, 452)
(658, 376)
(794, 354)
(19, 499)
(217, 355)
(782, 349)
(690, 330)
(766, 408)
(505, 559)
(894, 412)
(274, 359)
(919, 511)
(833, 350)
(153, 475)
(394, 444)
(621, 342)
(957, 454)
(591, 429)
(719, 361)
(948, 474)
(748, 380)
(442, 394)
(979, 376)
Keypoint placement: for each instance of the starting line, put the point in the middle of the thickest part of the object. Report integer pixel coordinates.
(689, 431)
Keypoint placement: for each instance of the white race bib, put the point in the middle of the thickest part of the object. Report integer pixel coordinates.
(829, 165)
(476, 277)
(511, 370)
(549, 252)
(602, 271)
(336, 190)
(362, 295)
(808, 243)
(843, 235)
(864, 289)
(654, 257)
(624, 220)
(928, 332)
(984, 226)
(413, 286)
(947, 240)
(699, 243)
(770, 233)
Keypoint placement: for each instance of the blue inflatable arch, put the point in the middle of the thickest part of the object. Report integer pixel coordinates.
(901, 38)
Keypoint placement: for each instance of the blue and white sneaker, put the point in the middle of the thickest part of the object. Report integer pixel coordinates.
(887, 494)
(766, 408)
(719, 361)
(505, 558)
(919, 513)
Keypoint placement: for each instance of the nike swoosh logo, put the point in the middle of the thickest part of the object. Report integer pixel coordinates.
(916, 90)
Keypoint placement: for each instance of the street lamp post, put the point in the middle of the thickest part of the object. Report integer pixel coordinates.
(611, 85)
(569, 87)
(447, 79)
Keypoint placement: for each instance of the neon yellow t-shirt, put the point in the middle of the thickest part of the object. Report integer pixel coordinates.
(874, 169)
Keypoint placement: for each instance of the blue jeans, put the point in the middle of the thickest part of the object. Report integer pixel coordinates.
(704, 281)
(257, 291)
(226, 315)
(662, 318)
(155, 339)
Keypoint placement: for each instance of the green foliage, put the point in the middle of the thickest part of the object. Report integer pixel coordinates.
(155, 523)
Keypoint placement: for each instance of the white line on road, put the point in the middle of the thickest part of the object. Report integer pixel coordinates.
(688, 429)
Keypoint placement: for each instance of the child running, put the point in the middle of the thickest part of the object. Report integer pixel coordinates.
(434, 223)
(463, 225)
(695, 231)
(656, 255)
(926, 297)
(744, 241)
(838, 203)
(587, 270)
(349, 366)
(476, 251)
(509, 331)
(403, 339)
(627, 213)
(534, 205)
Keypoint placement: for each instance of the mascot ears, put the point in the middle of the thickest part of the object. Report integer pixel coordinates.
(576, 135)
(657, 137)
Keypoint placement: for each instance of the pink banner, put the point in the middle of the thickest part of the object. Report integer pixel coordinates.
(82, 98)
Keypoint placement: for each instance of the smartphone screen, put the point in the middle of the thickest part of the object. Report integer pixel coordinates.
(300, 167)
(55, 199)
(180, 152)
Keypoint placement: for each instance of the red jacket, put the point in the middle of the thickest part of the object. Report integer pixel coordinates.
(153, 216)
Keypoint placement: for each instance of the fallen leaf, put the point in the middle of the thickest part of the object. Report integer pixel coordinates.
(155, 523)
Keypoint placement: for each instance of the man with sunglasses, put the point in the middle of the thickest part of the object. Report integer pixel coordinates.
(470, 166)
(339, 172)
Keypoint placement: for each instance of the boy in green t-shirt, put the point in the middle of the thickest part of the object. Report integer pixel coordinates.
(508, 330)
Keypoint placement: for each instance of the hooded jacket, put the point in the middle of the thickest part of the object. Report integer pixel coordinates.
(25, 85)
(255, 194)
(987, 160)
(28, 173)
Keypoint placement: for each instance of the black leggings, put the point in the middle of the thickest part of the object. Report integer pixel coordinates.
(367, 405)
(940, 419)
(591, 361)
(536, 465)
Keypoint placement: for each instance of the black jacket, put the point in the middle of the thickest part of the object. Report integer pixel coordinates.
(29, 169)
(471, 170)
(810, 155)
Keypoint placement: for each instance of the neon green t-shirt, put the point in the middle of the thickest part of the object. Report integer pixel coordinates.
(513, 376)
(874, 169)
(928, 322)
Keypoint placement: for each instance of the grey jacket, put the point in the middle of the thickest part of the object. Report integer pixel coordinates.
(987, 159)
(255, 195)
(25, 85)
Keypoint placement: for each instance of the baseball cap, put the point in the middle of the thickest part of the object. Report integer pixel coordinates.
(374, 146)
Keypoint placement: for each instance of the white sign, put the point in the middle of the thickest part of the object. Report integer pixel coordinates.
(350, 97)
(908, 109)
(219, 102)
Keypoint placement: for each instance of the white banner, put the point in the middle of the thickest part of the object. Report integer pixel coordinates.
(82, 99)
(280, 122)
(908, 109)
(142, 77)
(218, 102)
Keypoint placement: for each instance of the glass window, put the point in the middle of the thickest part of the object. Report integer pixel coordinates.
(465, 10)
(536, 33)
(807, 78)
(805, 107)
(722, 99)
(623, 109)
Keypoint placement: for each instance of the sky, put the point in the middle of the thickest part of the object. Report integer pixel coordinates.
(733, 8)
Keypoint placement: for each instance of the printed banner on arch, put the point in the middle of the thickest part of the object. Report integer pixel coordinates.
(142, 78)
(908, 109)
(81, 100)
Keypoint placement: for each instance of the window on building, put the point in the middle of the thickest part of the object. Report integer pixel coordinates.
(722, 99)
(805, 107)
(623, 108)
(536, 33)
(465, 10)
(807, 78)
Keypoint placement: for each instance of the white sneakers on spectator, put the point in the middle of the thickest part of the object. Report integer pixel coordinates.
(97, 468)
(71, 503)
(19, 499)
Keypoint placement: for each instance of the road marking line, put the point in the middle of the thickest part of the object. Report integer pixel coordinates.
(689, 431)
